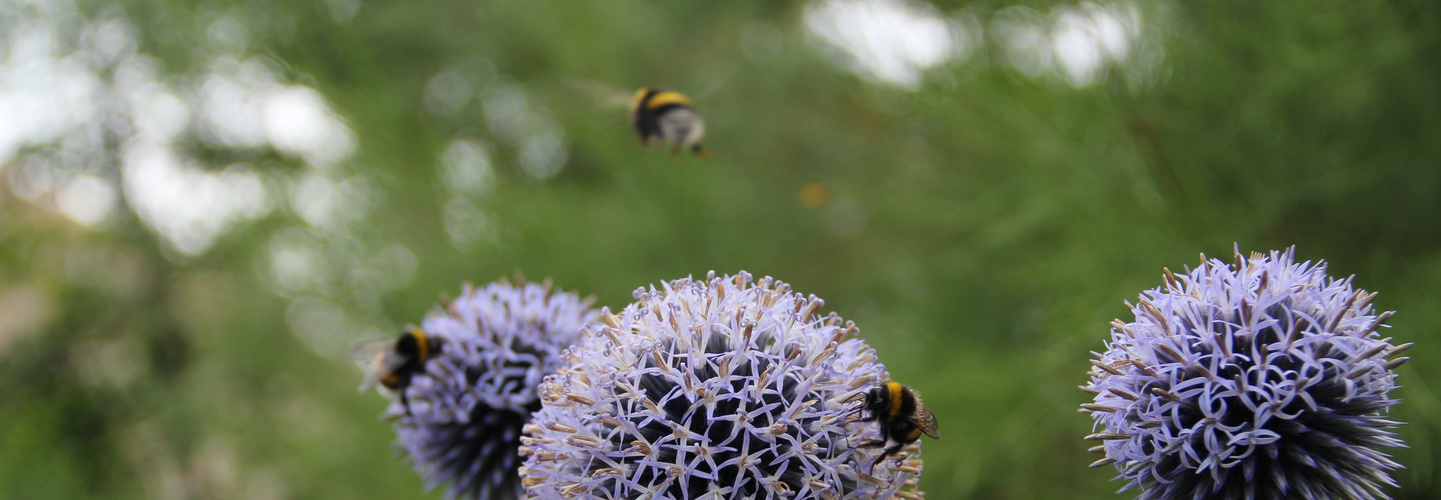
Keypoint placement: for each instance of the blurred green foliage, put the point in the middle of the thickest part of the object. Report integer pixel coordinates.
(981, 230)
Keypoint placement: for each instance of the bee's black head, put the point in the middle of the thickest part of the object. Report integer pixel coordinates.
(878, 401)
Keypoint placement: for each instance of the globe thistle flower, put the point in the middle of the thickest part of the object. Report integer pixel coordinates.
(463, 420)
(721, 388)
(1264, 379)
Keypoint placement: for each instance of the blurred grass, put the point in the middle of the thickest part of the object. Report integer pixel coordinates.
(1002, 219)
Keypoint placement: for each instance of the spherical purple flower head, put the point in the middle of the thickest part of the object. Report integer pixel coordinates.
(1264, 379)
(467, 408)
(713, 389)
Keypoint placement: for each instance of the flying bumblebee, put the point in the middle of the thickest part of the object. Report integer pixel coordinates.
(667, 116)
(393, 361)
(902, 417)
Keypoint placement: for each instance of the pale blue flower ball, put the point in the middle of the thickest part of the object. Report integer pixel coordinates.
(714, 389)
(1257, 379)
(462, 427)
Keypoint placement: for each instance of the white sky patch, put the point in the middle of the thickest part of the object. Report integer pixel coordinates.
(160, 115)
(297, 121)
(897, 41)
(1115, 28)
(231, 101)
(86, 115)
(94, 117)
(893, 41)
(187, 205)
(244, 104)
(43, 93)
(86, 200)
(1078, 44)
(1077, 53)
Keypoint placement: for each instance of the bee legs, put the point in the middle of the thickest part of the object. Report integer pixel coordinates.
(878, 443)
(874, 443)
(701, 153)
(894, 449)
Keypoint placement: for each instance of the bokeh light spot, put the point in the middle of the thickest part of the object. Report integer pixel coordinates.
(893, 41)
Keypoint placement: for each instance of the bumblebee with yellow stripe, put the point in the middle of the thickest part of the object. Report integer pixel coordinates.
(667, 116)
(393, 361)
(902, 416)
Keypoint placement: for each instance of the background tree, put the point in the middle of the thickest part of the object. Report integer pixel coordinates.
(207, 203)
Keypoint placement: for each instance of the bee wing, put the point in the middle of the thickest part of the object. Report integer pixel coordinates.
(926, 421)
(366, 351)
(370, 357)
(600, 94)
(718, 81)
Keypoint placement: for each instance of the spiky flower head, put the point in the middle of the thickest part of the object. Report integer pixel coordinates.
(1261, 379)
(466, 409)
(713, 389)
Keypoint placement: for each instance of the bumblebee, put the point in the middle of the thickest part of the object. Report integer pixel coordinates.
(394, 361)
(667, 116)
(902, 417)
